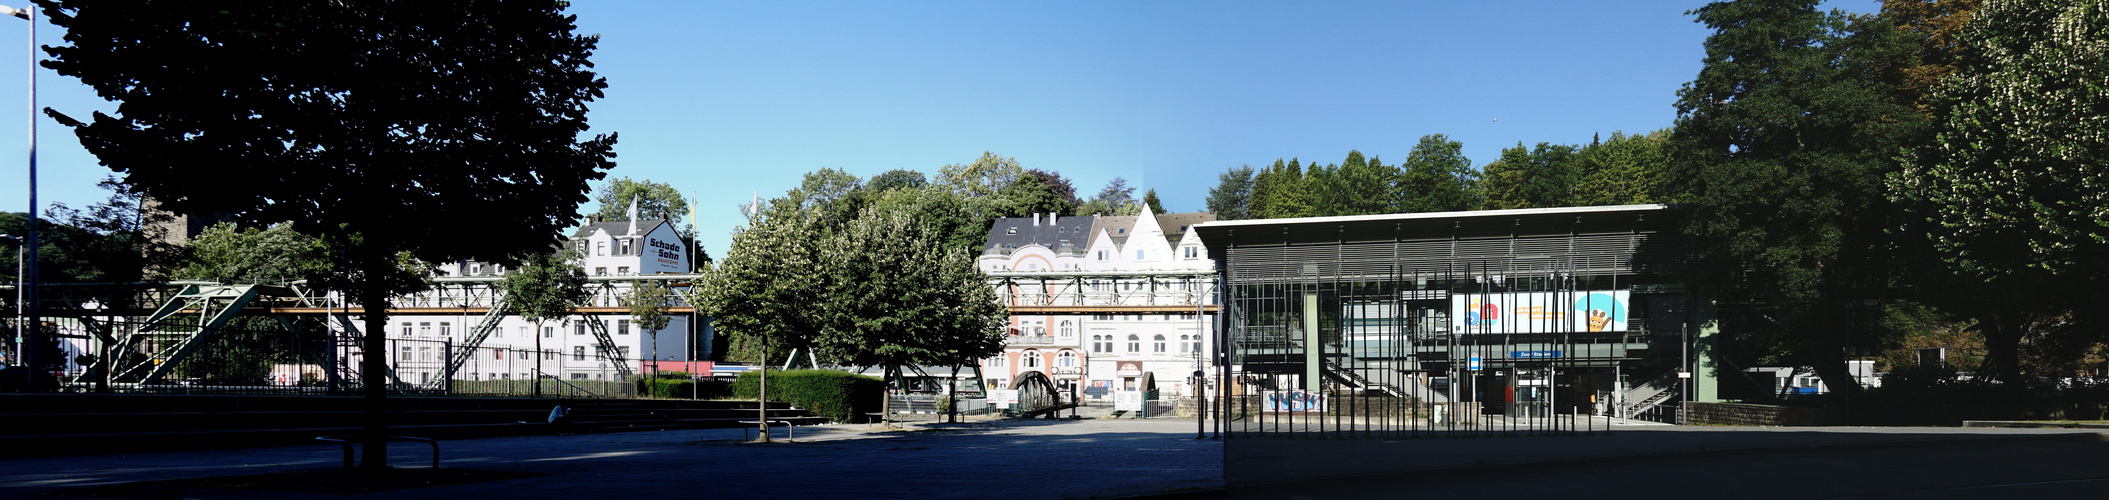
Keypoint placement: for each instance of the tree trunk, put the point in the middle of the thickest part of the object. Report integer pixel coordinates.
(951, 402)
(763, 400)
(2002, 333)
(1830, 360)
(536, 377)
(373, 372)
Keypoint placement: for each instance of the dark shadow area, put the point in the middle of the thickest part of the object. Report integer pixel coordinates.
(329, 482)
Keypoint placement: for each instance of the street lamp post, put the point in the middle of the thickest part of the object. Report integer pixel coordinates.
(27, 340)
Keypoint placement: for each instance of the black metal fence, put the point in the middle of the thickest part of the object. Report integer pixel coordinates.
(1452, 349)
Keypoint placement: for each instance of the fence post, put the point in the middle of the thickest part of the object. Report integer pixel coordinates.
(447, 385)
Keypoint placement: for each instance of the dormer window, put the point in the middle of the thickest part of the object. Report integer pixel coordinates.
(1013, 230)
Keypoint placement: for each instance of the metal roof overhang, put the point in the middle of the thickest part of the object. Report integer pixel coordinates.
(1222, 235)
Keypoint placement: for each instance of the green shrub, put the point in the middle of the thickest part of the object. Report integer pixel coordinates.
(683, 388)
(837, 395)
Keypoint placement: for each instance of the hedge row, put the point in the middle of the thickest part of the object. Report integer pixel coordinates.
(673, 388)
(837, 395)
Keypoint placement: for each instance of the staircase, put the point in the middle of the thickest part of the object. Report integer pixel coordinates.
(1648, 395)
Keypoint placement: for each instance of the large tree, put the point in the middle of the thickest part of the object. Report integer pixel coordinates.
(896, 297)
(2011, 192)
(441, 131)
(1540, 177)
(1625, 170)
(1437, 178)
(547, 287)
(1231, 199)
(763, 294)
(1780, 145)
(655, 200)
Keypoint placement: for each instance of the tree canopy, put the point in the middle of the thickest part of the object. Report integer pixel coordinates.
(655, 200)
(443, 131)
(2009, 192)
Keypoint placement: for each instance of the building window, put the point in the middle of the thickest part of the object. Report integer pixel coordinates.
(1066, 359)
(1105, 255)
(1159, 344)
(997, 383)
(625, 249)
(1182, 344)
(578, 376)
(497, 354)
(578, 353)
(1134, 343)
(600, 352)
(1197, 343)
(600, 249)
(1193, 252)
(446, 329)
(600, 271)
(622, 270)
(424, 354)
(1068, 330)
(424, 329)
(1138, 255)
(579, 329)
(549, 332)
(406, 355)
(997, 362)
(547, 355)
(1031, 360)
(406, 329)
(622, 327)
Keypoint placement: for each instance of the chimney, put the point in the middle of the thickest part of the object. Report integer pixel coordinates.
(1051, 218)
(1036, 219)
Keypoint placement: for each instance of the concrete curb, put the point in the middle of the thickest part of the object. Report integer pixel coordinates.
(2033, 424)
(1291, 484)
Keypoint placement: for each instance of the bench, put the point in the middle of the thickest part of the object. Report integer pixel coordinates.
(788, 433)
(346, 442)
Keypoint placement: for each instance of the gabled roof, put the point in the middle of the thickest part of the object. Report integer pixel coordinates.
(619, 227)
(1010, 233)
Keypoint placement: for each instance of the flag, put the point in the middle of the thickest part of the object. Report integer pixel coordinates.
(633, 215)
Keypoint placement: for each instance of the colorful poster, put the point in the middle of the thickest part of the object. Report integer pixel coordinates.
(1292, 401)
(1540, 312)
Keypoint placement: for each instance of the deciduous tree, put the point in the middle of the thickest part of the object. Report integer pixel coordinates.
(443, 130)
(2011, 193)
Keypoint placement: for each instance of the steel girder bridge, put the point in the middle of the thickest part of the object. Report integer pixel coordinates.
(1107, 292)
(141, 331)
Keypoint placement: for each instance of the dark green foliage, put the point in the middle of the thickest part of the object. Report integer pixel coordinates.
(1436, 178)
(677, 385)
(1935, 396)
(897, 179)
(1149, 199)
(1040, 192)
(227, 253)
(1626, 170)
(840, 396)
(1279, 191)
(1542, 177)
(2007, 196)
(1781, 144)
(113, 240)
(1115, 199)
(1357, 186)
(655, 200)
(1231, 199)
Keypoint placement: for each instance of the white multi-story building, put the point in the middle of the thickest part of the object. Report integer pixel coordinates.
(615, 255)
(1103, 303)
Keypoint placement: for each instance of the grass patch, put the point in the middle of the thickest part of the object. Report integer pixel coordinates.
(328, 482)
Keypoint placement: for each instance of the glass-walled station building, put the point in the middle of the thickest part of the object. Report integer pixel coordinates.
(1538, 319)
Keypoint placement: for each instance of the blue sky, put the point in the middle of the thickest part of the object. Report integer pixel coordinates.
(724, 99)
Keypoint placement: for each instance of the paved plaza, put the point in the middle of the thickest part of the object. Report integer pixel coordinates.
(1021, 459)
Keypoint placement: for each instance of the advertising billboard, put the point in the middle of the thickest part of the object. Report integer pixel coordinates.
(1540, 312)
